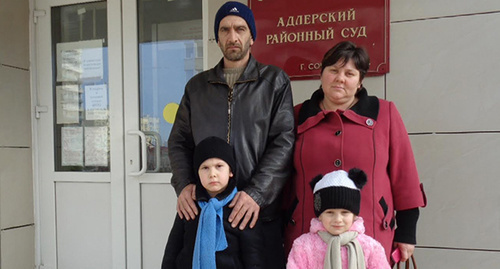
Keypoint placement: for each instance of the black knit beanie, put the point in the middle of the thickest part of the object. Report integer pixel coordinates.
(236, 9)
(338, 189)
(213, 147)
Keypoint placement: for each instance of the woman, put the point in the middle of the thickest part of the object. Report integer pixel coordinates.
(341, 127)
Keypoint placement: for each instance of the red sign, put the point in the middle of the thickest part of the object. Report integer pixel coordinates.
(295, 34)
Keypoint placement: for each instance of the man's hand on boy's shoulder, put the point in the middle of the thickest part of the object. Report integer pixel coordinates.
(244, 209)
(186, 206)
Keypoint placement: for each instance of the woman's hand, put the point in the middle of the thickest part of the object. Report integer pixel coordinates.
(406, 250)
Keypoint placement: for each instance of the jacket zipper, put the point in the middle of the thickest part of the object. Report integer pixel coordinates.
(229, 101)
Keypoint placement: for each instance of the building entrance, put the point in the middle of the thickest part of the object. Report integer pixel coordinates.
(109, 77)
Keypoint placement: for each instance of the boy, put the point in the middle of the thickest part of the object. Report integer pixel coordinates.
(336, 239)
(209, 241)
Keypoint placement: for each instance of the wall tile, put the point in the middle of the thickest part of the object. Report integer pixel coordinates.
(303, 89)
(15, 108)
(460, 180)
(375, 86)
(443, 79)
(16, 187)
(421, 9)
(451, 258)
(14, 30)
(17, 247)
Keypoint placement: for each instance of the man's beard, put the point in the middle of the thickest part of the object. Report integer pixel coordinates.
(236, 55)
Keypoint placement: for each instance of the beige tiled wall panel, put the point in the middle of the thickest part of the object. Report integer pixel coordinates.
(375, 86)
(456, 259)
(14, 33)
(16, 187)
(421, 9)
(303, 89)
(460, 177)
(15, 107)
(444, 73)
(17, 247)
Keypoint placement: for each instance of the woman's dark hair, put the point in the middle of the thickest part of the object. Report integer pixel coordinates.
(345, 51)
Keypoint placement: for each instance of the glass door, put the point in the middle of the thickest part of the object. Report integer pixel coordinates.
(163, 49)
(79, 134)
(109, 77)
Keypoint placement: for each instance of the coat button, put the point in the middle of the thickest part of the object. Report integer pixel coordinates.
(337, 133)
(337, 163)
(369, 122)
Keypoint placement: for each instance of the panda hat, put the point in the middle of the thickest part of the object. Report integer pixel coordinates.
(338, 189)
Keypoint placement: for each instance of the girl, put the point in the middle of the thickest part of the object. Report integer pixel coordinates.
(336, 239)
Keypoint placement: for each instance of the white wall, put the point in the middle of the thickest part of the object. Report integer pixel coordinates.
(444, 65)
(16, 182)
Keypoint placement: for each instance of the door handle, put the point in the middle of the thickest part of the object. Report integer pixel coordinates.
(143, 156)
(157, 136)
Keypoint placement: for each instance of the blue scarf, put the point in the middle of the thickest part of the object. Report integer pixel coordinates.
(210, 232)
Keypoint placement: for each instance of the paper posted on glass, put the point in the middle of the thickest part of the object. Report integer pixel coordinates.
(96, 146)
(96, 102)
(67, 104)
(72, 146)
(80, 60)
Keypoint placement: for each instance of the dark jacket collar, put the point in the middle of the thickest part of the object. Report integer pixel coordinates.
(251, 72)
(367, 106)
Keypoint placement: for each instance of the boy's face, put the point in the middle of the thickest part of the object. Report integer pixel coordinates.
(337, 221)
(214, 175)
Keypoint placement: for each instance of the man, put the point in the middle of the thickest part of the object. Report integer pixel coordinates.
(250, 105)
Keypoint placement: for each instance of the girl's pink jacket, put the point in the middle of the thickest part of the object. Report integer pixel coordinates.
(308, 251)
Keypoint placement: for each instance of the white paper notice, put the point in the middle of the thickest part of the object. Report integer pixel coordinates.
(96, 102)
(96, 146)
(71, 62)
(92, 63)
(80, 60)
(72, 146)
(67, 104)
